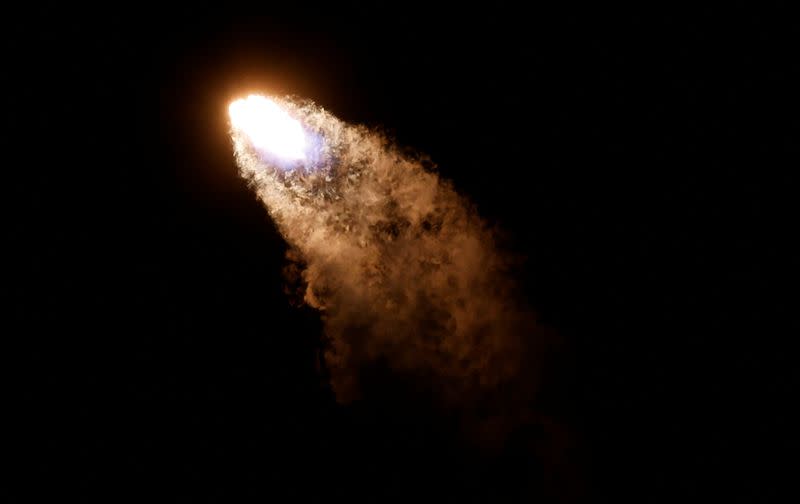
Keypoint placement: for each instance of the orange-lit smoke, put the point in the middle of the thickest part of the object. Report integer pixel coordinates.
(401, 268)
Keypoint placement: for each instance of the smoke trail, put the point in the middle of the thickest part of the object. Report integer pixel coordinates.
(400, 266)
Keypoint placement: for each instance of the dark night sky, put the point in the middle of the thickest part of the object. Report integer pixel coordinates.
(640, 161)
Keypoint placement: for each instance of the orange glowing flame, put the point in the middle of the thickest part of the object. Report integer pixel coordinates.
(268, 127)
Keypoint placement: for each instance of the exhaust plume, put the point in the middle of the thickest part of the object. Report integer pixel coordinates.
(401, 268)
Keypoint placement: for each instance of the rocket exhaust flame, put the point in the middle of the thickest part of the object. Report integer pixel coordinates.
(268, 127)
(400, 266)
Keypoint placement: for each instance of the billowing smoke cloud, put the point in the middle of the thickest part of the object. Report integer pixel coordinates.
(400, 266)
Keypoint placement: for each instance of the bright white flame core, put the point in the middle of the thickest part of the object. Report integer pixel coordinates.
(269, 127)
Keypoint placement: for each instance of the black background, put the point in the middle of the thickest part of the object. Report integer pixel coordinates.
(641, 161)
